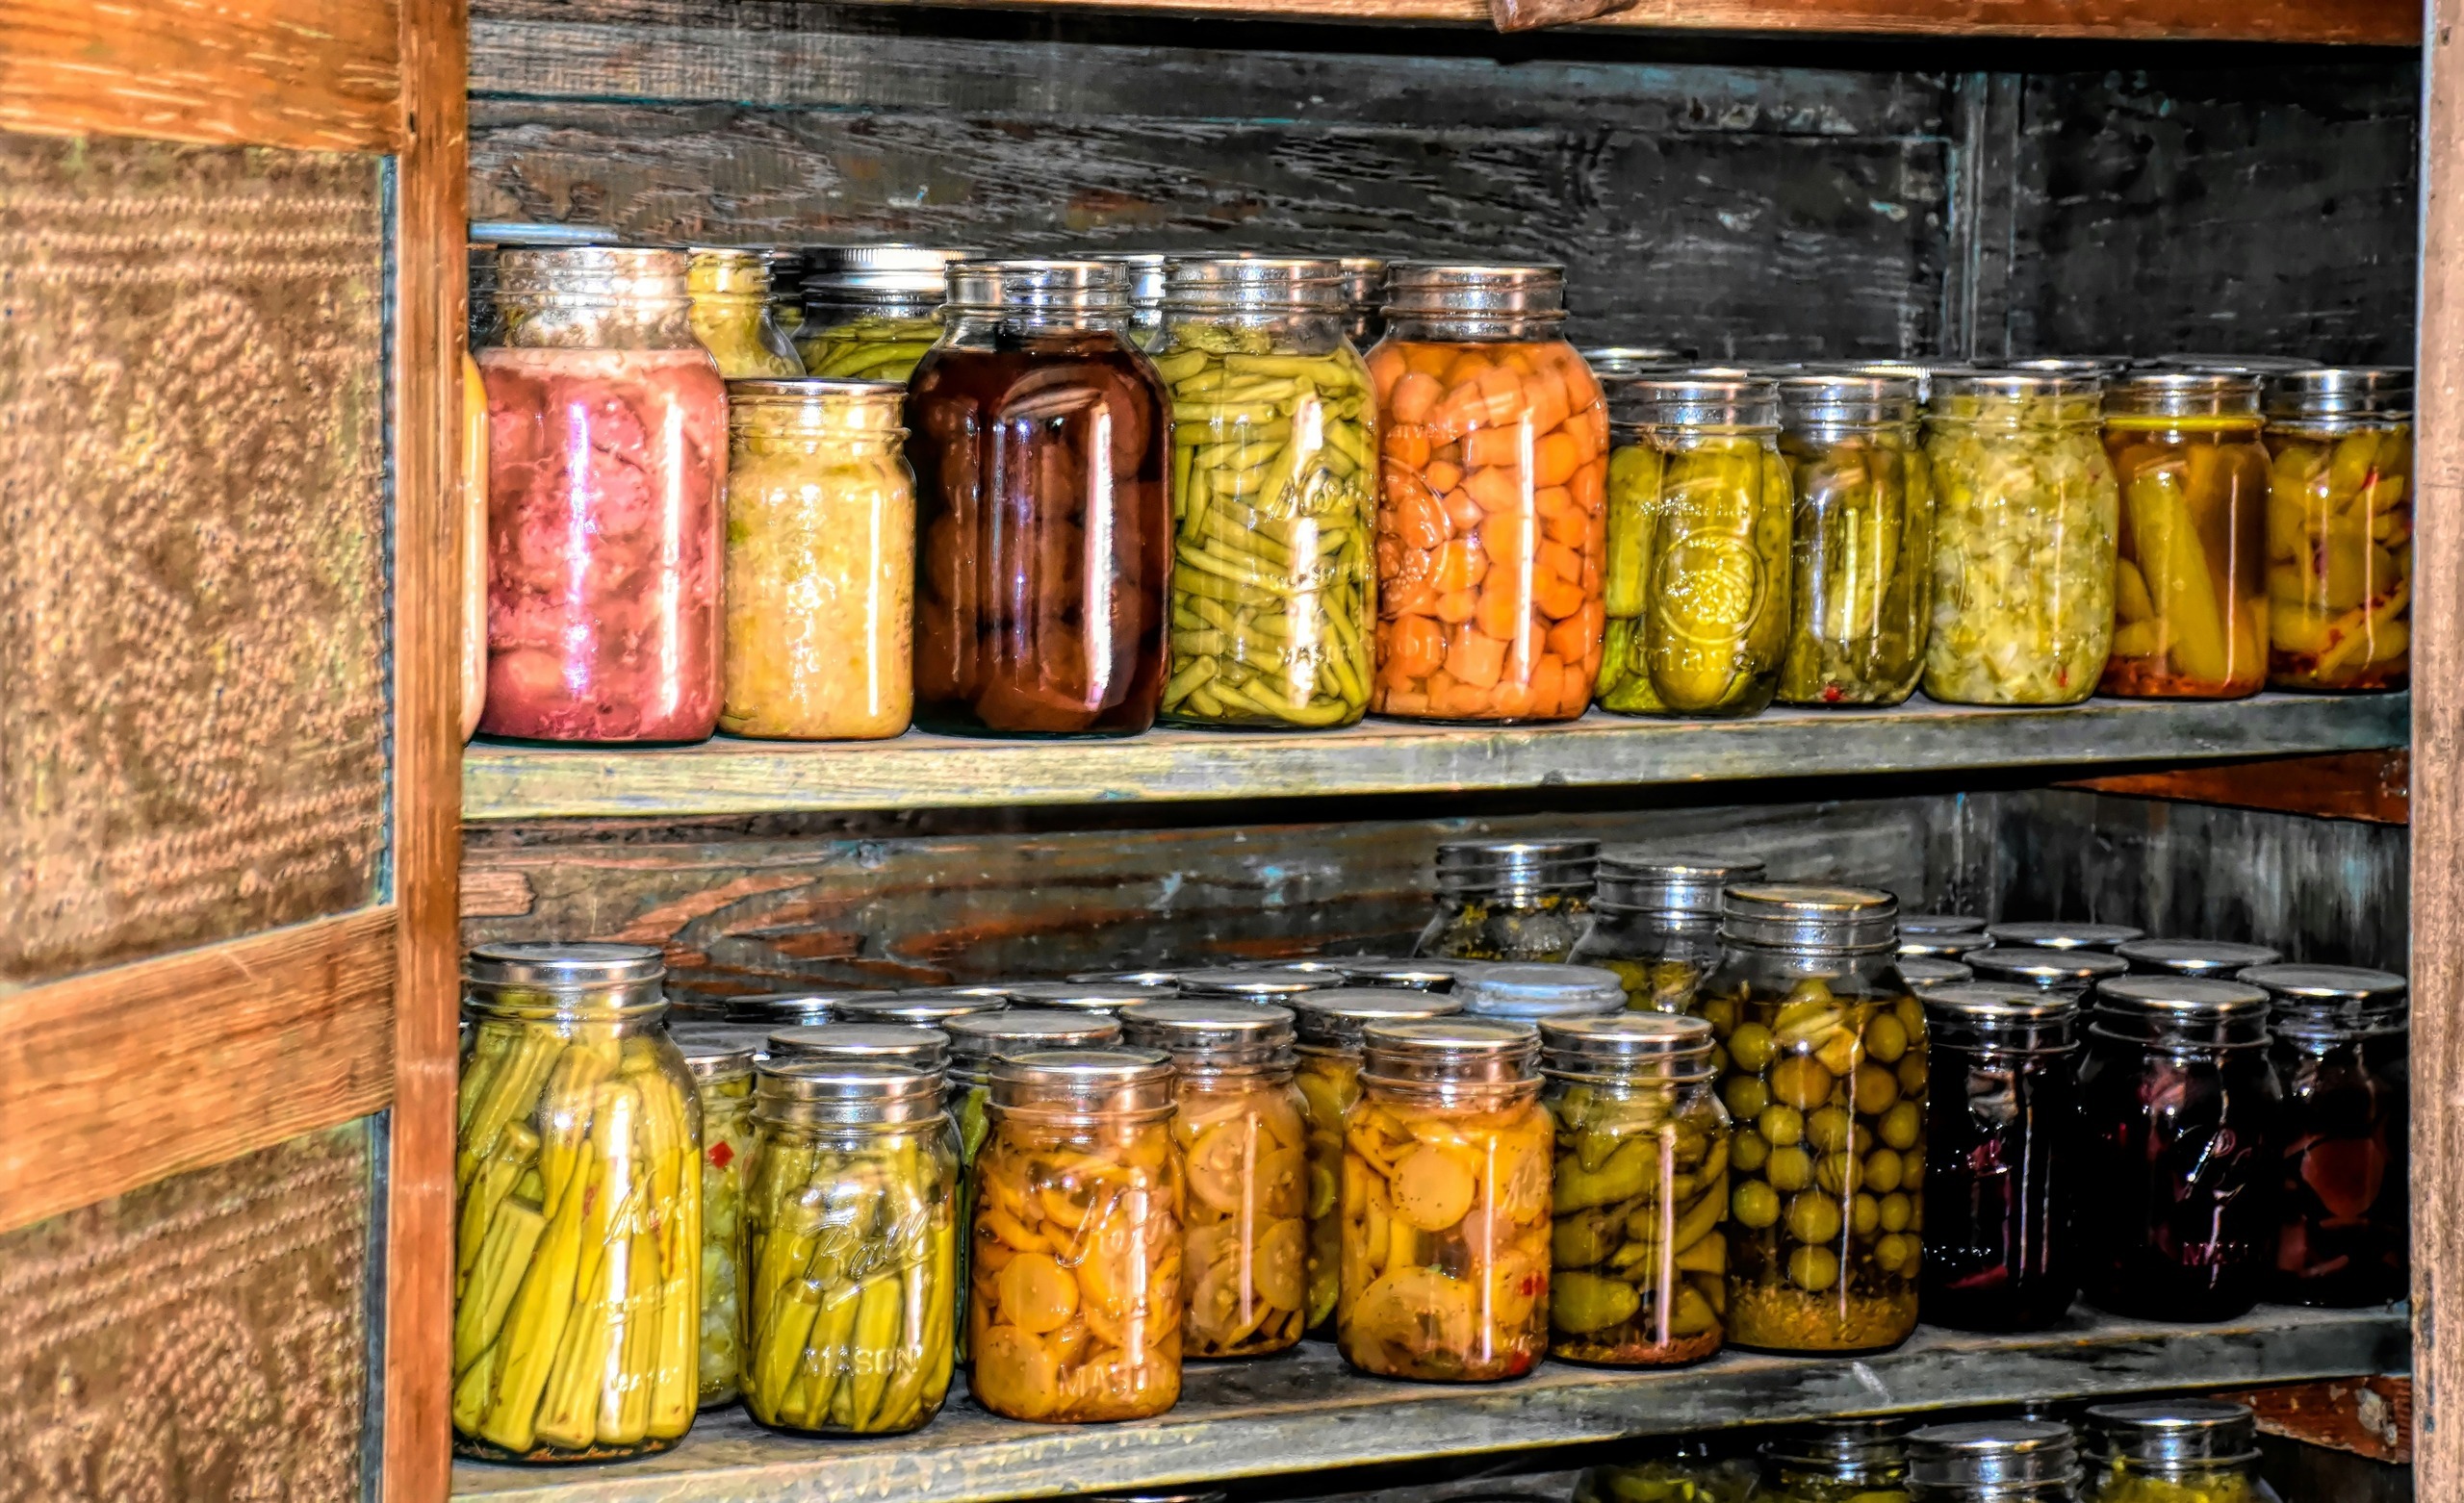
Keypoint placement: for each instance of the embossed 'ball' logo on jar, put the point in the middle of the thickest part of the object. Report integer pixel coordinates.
(1708, 587)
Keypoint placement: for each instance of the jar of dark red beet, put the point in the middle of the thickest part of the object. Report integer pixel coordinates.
(1043, 520)
(2342, 1052)
(2178, 1102)
(608, 449)
(2002, 1114)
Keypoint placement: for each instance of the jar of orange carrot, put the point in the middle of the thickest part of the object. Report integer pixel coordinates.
(1491, 531)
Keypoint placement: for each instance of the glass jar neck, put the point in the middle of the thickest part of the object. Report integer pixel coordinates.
(850, 303)
(1452, 1090)
(628, 1007)
(2081, 412)
(534, 320)
(870, 422)
(1467, 328)
(1070, 1112)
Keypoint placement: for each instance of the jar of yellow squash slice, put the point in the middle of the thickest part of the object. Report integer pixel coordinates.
(2189, 599)
(1446, 1204)
(2340, 529)
(723, 1079)
(577, 1242)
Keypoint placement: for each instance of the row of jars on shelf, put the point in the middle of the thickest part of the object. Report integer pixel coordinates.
(1249, 525)
(1123, 1175)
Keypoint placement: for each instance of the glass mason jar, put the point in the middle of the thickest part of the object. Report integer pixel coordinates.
(2343, 1052)
(1998, 1244)
(2190, 594)
(1328, 1026)
(1274, 496)
(1698, 572)
(1528, 992)
(2053, 973)
(723, 1084)
(1042, 446)
(1245, 1158)
(1825, 1080)
(1842, 1461)
(820, 562)
(1148, 272)
(1640, 1187)
(1927, 973)
(731, 290)
(1364, 299)
(2002, 1461)
(1511, 900)
(1655, 922)
(1491, 540)
(606, 455)
(2177, 1104)
(851, 1246)
(785, 265)
(1863, 539)
(2061, 934)
(2213, 959)
(2340, 529)
(1446, 1204)
(870, 311)
(2176, 1451)
(577, 1241)
(910, 1045)
(2025, 516)
(1674, 1470)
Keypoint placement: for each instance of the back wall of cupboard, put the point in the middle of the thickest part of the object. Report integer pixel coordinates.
(1756, 199)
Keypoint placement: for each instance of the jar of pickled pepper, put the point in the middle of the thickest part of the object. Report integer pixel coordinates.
(1328, 1027)
(1074, 1303)
(1511, 900)
(2051, 973)
(1446, 1204)
(2340, 529)
(730, 288)
(1655, 922)
(2190, 596)
(1825, 1080)
(1699, 581)
(1243, 1155)
(1491, 535)
(576, 1289)
(870, 311)
(723, 1083)
(2002, 1461)
(2213, 958)
(2175, 1451)
(1841, 1460)
(850, 1250)
(1863, 539)
(2061, 934)
(1640, 1190)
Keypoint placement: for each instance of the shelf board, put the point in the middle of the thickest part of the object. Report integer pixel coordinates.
(729, 776)
(1306, 1412)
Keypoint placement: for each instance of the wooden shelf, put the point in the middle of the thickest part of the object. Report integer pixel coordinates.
(1306, 1412)
(727, 776)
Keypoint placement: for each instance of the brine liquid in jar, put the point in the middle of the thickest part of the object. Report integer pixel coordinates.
(2190, 594)
(2340, 529)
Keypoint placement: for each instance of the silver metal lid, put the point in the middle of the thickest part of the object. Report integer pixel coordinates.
(1431, 974)
(845, 1092)
(1258, 983)
(2212, 957)
(1455, 1050)
(1084, 1082)
(1924, 973)
(921, 269)
(507, 234)
(1942, 947)
(1989, 1015)
(688, 1007)
(1096, 287)
(2102, 365)
(1290, 282)
(1333, 1020)
(1198, 1032)
(1364, 279)
(1940, 924)
(1424, 289)
(990, 991)
(892, 1043)
(2063, 934)
(1637, 877)
(1612, 363)
(1516, 867)
(1626, 1046)
(2341, 392)
(1700, 398)
(2181, 1010)
(1530, 992)
(1804, 916)
(2233, 364)
(786, 1008)
(928, 1006)
(2331, 1002)
(1150, 272)
(2004, 1456)
(594, 273)
(2173, 1433)
(1160, 978)
(976, 1041)
(711, 1060)
(1080, 996)
(1868, 1450)
(1818, 399)
(735, 1038)
(553, 965)
(2183, 394)
(2046, 970)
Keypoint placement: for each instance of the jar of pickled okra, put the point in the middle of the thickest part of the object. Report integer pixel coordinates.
(2213, 959)
(916, 1046)
(1825, 1080)
(723, 1084)
(2340, 529)
(2175, 1451)
(1446, 1204)
(1841, 1460)
(1639, 1262)
(1699, 582)
(1274, 496)
(870, 311)
(577, 1288)
(2000, 1461)
(851, 1249)
(1364, 299)
(1492, 537)
(1655, 922)
(1245, 1155)
(2189, 596)
(1150, 273)
(1328, 1027)
(1997, 1235)
(730, 288)
(2342, 1052)
(1529, 992)
(2053, 973)
(2178, 1108)
(1077, 1163)
(1863, 539)
(1511, 900)
(1670, 1469)
(2061, 934)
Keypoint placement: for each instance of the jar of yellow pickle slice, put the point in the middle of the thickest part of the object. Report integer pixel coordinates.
(2189, 596)
(1328, 1024)
(578, 1238)
(2340, 529)
(723, 1083)
(1075, 1275)
(1655, 922)
(731, 290)
(872, 311)
(1446, 1204)
(1863, 538)
(1244, 1153)
(1826, 1081)
(850, 1250)
(1638, 1261)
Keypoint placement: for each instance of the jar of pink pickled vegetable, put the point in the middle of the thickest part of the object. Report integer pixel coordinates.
(607, 443)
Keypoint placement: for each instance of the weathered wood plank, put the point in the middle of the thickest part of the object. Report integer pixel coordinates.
(2356, 785)
(2368, 1416)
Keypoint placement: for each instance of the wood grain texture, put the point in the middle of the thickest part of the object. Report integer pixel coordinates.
(2368, 1416)
(120, 1078)
(320, 75)
(2356, 785)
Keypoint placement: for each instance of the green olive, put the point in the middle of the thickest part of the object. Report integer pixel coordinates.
(1781, 1127)
(1864, 1214)
(1790, 1169)
(1830, 1129)
(1801, 1081)
(1885, 1041)
(1912, 1074)
(1748, 1151)
(1814, 1217)
(1835, 1173)
(1813, 1270)
(1876, 1089)
(1753, 1047)
(1882, 1171)
(1910, 1015)
(1912, 1164)
(1720, 1013)
(1897, 1212)
(1893, 1251)
(1755, 1205)
(1746, 1096)
(1900, 1125)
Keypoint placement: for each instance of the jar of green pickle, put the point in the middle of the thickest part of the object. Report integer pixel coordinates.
(1863, 539)
(1681, 1469)
(1698, 578)
(1655, 922)
(1511, 900)
(731, 290)
(2175, 1451)
(872, 311)
(723, 1083)
(577, 1288)
(2002, 1461)
(1843, 1461)
(851, 1249)
(1825, 1080)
